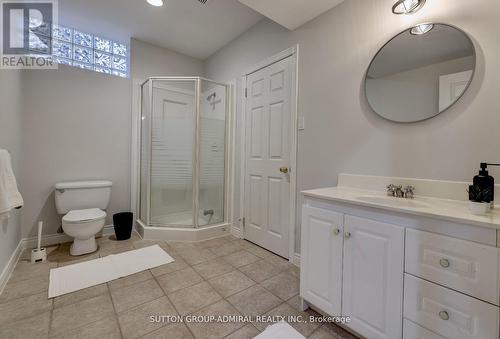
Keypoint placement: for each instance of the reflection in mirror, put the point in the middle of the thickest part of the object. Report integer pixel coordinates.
(420, 73)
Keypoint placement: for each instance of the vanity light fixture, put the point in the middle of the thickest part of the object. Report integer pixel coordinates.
(156, 3)
(407, 6)
(421, 29)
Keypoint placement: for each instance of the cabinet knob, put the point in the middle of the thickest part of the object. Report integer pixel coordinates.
(444, 315)
(347, 235)
(444, 263)
(336, 231)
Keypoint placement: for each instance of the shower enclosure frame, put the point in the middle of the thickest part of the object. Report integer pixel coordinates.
(174, 232)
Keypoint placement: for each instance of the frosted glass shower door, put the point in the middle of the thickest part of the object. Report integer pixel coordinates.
(172, 152)
(212, 154)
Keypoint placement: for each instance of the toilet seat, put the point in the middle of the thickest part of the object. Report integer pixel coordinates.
(84, 216)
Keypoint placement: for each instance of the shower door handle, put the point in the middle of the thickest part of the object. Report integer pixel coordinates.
(284, 170)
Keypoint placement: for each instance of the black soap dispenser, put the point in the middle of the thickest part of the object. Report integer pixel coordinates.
(485, 181)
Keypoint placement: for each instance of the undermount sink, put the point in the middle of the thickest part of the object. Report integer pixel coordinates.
(391, 201)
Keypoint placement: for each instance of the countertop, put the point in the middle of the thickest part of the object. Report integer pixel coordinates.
(444, 209)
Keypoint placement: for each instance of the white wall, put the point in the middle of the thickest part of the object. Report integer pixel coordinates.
(77, 125)
(11, 93)
(342, 133)
(148, 60)
(258, 43)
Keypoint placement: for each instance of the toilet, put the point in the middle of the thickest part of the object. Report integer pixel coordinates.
(83, 203)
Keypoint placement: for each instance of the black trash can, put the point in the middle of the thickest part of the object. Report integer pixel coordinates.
(123, 225)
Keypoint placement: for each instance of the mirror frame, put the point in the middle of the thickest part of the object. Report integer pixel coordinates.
(396, 36)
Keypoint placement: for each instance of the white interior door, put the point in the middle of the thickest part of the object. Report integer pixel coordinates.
(451, 87)
(267, 167)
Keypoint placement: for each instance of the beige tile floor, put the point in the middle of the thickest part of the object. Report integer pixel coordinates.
(224, 276)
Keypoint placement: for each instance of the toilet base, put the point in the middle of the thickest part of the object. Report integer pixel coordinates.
(81, 247)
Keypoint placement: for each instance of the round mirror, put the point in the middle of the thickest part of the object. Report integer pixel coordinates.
(420, 72)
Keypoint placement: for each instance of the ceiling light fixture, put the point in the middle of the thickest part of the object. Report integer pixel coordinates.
(156, 3)
(421, 29)
(407, 6)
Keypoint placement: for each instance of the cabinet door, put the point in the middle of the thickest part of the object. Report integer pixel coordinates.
(321, 259)
(373, 277)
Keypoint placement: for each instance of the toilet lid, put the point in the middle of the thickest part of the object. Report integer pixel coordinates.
(84, 215)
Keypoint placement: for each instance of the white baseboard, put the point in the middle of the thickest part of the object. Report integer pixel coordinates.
(109, 229)
(296, 259)
(236, 231)
(59, 238)
(11, 264)
(47, 240)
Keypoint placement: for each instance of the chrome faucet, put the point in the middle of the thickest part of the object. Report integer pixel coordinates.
(409, 192)
(398, 191)
(395, 191)
(391, 190)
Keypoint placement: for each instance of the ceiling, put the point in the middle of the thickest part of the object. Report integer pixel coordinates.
(291, 13)
(407, 52)
(185, 26)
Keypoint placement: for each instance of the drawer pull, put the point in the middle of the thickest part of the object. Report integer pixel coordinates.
(336, 231)
(444, 263)
(444, 315)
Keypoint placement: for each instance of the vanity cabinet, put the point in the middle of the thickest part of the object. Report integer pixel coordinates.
(353, 266)
(399, 275)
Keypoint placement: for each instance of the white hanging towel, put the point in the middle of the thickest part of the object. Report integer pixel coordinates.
(10, 197)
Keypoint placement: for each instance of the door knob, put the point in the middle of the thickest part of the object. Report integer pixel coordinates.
(444, 263)
(347, 235)
(336, 231)
(284, 170)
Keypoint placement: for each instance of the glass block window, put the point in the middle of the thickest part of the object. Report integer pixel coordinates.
(86, 51)
(62, 49)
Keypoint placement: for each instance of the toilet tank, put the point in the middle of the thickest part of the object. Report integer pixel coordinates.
(80, 195)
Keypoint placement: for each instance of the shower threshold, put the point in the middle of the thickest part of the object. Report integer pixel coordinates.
(172, 233)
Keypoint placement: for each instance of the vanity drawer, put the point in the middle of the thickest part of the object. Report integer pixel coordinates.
(462, 265)
(449, 313)
(414, 331)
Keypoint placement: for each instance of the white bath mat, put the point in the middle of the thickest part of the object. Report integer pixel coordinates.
(280, 330)
(79, 276)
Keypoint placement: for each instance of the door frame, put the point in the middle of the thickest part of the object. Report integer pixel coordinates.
(292, 52)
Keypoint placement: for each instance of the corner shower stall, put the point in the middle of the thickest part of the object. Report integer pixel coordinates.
(183, 181)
